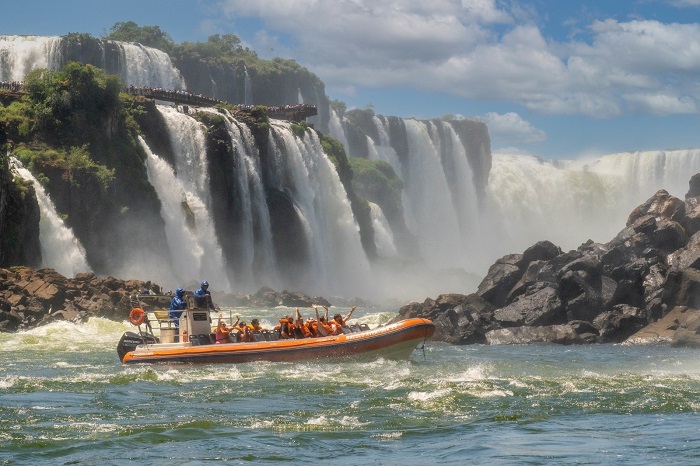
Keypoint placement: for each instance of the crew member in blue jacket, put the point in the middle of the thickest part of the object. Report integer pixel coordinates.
(202, 297)
(177, 305)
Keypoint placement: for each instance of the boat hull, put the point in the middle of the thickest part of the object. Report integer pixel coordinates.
(394, 341)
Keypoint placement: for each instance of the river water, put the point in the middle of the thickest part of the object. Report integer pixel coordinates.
(66, 399)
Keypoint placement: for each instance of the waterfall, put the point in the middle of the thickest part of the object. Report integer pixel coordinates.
(187, 187)
(336, 130)
(256, 253)
(21, 54)
(383, 237)
(60, 249)
(146, 66)
(338, 262)
(430, 213)
(569, 202)
(247, 88)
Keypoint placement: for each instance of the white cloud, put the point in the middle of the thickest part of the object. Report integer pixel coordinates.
(684, 3)
(510, 129)
(479, 50)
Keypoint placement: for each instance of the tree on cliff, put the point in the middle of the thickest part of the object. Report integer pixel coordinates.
(150, 36)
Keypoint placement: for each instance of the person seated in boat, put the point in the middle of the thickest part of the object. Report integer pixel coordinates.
(254, 325)
(300, 328)
(323, 328)
(177, 305)
(339, 321)
(245, 332)
(202, 297)
(222, 332)
(285, 328)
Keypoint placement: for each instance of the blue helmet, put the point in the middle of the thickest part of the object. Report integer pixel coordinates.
(179, 292)
(205, 283)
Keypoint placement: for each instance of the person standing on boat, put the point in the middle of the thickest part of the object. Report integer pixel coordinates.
(177, 305)
(202, 297)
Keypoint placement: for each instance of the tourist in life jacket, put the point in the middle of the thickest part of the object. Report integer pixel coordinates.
(177, 305)
(202, 297)
(222, 332)
(324, 329)
(286, 327)
(245, 333)
(339, 322)
(255, 326)
(300, 328)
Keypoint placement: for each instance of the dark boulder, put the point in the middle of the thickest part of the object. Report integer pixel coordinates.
(500, 279)
(540, 305)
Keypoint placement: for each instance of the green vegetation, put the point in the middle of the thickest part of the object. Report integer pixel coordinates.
(333, 148)
(150, 36)
(76, 159)
(66, 118)
(66, 104)
(299, 128)
(374, 176)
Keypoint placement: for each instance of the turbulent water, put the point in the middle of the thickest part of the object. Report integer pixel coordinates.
(66, 399)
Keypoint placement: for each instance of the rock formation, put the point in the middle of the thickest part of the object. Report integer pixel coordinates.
(598, 292)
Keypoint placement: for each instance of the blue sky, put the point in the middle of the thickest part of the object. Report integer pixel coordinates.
(554, 78)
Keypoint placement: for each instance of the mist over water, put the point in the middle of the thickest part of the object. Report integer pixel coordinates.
(460, 228)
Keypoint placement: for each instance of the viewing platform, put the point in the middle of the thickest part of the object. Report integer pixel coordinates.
(296, 113)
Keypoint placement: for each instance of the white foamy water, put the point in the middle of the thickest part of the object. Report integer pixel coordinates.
(60, 249)
(21, 54)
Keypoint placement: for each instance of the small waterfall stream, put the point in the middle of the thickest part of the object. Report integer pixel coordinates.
(60, 249)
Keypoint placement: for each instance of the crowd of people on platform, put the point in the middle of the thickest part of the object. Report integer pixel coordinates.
(172, 94)
(290, 327)
(13, 86)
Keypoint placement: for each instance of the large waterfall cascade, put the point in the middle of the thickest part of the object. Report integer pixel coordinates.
(526, 199)
(182, 190)
(21, 54)
(256, 254)
(137, 65)
(338, 261)
(60, 249)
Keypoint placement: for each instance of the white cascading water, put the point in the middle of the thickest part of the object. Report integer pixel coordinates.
(569, 202)
(205, 257)
(146, 66)
(430, 214)
(257, 254)
(247, 88)
(336, 131)
(383, 237)
(60, 249)
(338, 262)
(21, 54)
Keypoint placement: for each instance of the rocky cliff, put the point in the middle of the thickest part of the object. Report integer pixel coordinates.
(599, 292)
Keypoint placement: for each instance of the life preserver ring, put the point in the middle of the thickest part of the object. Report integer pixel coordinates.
(137, 316)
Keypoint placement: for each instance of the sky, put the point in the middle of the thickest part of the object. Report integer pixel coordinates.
(559, 79)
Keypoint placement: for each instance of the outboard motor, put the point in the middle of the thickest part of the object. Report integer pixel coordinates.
(131, 340)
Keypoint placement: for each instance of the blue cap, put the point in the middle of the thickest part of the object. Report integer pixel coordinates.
(179, 291)
(205, 283)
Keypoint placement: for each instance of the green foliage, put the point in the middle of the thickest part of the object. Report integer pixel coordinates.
(333, 148)
(299, 129)
(374, 176)
(68, 103)
(15, 120)
(75, 160)
(338, 106)
(150, 36)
